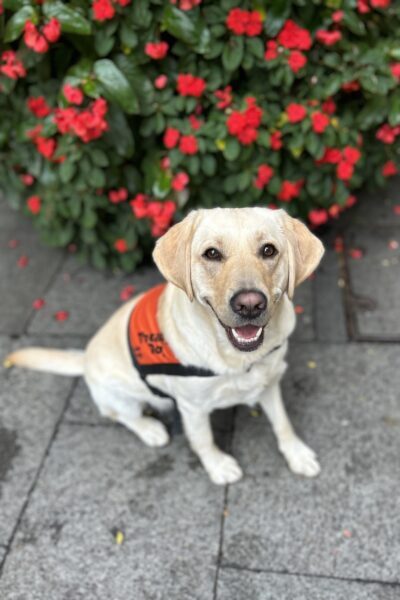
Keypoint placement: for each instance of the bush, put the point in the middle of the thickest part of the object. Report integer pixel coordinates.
(118, 116)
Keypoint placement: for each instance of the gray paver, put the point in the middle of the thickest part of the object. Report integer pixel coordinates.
(13, 221)
(19, 287)
(99, 480)
(89, 296)
(374, 282)
(30, 406)
(346, 522)
(374, 206)
(303, 297)
(247, 585)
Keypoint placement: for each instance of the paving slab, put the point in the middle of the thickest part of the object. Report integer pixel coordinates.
(13, 221)
(98, 481)
(375, 206)
(30, 407)
(343, 401)
(246, 585)
(375, 282)
(304, 301)
(90, 297)
(20, 286)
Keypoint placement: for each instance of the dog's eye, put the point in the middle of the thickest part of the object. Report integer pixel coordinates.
(268, 250)
(212, 254)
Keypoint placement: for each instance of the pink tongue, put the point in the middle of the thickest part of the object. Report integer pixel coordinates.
(247, 331)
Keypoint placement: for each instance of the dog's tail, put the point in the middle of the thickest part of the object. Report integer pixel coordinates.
(63, 362)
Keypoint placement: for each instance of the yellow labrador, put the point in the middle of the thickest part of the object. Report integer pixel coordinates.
(226, 310)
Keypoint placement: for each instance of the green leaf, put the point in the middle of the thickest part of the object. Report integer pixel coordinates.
(209, 165)
(96, 178)
(232, 55)
(67, 170)
(103, 44)
(332, 85)
(119, 135)
(352, 22)
(116, 86)
(232, 149)
(128, 37)
(71, 19)
(278, 12)
(99, 158)
(138, 81)
(17, 22)
(394, 110)
(373, 112)
(179, 24)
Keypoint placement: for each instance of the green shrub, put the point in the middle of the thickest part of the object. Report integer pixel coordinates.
(117, 116)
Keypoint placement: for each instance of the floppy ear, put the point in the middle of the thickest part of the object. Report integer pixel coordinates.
(172, 254)
(305, 251)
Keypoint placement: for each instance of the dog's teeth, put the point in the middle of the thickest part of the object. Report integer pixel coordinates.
(246, 340)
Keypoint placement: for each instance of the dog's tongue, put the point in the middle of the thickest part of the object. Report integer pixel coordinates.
(247, 331)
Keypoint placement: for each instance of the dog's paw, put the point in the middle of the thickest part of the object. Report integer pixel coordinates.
(300, 458)
(151, 431)
(224, 469)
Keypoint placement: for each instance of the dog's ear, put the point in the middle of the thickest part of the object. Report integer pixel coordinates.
(172, 254)
(305, 251)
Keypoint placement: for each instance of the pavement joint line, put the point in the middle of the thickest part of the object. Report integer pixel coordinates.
(39, 470)
(223, 513)
(46, 289)
(344, 273)
(235, 567)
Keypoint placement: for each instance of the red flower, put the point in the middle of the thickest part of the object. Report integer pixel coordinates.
(275, 140)
(103, 10)
(38, 303)
(38, 106)
(318, 216)
(334, 210)
(329, 106)
(171, 137)
(188, 144)
(88, 124)
(244, 124)
(351, 86)
(344, 170)
(271, 50)
(27, 179)
(331, 156)
(363, 7)
(117, 196)
(52, 30)
(161, 214)
(165, 163)
(194, 122)
(290, 190)
(33, 39)
(160, 82)
(244, 22)
(297, 60)
(328, 38)
(61, 315)
(127, 292)
(12, 67)
(34, 204)
(294, 37)
(189, 85)
(351, 154)
(72, 94)
(351, 201)
(264, 176)
(139, 206)
(121, 245)
(386, 134)
(380, 3)
(295, 112)
(319, 122)
(395, 70)
(156, 50)
(46, 146)
(389, 169)
(180, 181)
(23, 261)
(337, 16)
(186, 4)
(224, 96)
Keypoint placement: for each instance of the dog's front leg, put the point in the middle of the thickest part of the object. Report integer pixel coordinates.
(221, 467)
(300, 458)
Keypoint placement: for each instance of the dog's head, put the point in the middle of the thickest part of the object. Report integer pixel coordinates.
(239, 262)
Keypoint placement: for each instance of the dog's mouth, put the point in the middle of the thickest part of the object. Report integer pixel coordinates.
(246, 338)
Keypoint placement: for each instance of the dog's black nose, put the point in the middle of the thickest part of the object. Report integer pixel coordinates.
(249, 304)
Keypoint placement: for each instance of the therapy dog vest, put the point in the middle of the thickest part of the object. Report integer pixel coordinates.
(151, 354)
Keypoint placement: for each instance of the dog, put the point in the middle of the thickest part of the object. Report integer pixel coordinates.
(224, 318)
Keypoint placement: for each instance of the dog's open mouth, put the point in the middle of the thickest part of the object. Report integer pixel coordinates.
(246, 338)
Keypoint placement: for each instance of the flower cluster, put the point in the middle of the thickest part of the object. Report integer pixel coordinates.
(87, 124)
(159, 213)
(187, 144)
(40, 40)
(11, 66)
(189, 85)
(244, 124)
(104, 10)
(244, 22)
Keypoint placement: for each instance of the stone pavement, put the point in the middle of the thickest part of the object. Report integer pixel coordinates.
(87, 512)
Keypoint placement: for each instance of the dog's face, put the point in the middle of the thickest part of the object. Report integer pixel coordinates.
(239, 263)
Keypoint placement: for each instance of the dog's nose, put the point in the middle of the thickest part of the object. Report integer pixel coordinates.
(249, 304)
